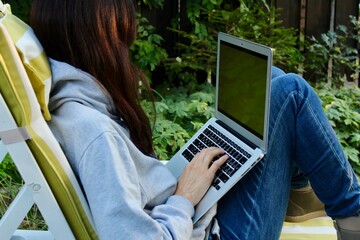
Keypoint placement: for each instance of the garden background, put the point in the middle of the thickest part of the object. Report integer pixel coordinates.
(176, 48)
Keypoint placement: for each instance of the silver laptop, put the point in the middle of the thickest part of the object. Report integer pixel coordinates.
(240, 125)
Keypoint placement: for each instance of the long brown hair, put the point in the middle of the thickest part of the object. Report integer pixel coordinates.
(95, 35)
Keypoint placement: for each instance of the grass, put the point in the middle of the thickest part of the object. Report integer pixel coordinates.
(10, 184)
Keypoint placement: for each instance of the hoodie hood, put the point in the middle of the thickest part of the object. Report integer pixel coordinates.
(70, 84)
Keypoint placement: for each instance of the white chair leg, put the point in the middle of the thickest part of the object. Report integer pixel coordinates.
(16, 212)
(3, 151)
(32, 235)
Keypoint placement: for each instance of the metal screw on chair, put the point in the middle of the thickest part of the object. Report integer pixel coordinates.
(36, 187)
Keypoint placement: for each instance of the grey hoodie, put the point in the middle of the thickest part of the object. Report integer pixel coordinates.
(130, 194)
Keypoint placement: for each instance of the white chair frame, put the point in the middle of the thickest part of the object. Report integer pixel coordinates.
(34, 191)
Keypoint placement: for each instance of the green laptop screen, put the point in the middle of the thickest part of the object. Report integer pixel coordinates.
(242, 86)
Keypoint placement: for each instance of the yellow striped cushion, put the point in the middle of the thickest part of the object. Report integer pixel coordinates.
(18, 93)
(315, 229)
(32, 56)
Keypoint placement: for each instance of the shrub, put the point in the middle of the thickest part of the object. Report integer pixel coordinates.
(180, 113)
(342, 107)
(327, 58)
(255, 21)
(146, 50)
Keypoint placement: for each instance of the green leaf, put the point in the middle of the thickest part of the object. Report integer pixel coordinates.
(355, 139)
(161, 107)
(353, 155)
(180, 109)
(197, 125)
(203, 97)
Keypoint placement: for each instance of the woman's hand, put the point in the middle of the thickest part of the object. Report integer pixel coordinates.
(199, 174)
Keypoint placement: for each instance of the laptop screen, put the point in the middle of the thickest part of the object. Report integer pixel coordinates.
(242, 77)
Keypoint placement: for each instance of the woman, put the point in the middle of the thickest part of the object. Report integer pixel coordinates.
(97, 118)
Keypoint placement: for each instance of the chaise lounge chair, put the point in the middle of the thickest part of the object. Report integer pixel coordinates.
(49, 182)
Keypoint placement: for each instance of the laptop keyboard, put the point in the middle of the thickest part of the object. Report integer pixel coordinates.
(211, 137)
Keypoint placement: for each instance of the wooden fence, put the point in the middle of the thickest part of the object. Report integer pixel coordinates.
(314, 17)
(310, 17)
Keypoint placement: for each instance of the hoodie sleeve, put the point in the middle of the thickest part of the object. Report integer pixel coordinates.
(110, 181)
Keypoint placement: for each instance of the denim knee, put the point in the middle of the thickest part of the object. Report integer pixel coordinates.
(291, 83)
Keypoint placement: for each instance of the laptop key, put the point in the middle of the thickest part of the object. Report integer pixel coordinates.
(193, 149)
(199, 144)
(188, 155)
(216, 183)
(223, 177)
(243, 160)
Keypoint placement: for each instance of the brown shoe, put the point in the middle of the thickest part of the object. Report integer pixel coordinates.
(303, 205)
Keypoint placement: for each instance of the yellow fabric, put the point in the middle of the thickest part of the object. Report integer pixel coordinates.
(314, 229)
(32, 56)
(18, 93)
(5, 8)
(10, 71)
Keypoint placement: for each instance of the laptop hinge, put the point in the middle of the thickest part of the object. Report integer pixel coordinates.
(250, 144)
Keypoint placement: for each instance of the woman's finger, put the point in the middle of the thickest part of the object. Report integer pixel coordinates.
(207, 154)
(218, 163)
(210, 154)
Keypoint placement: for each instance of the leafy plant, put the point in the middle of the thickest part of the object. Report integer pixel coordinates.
(9, 170)
(342, 107)
(258, 21)
(10, 180)
(146, 50)
(10, 184)
(179, 114)
(334, 47)
(151, 3)
(251, 20)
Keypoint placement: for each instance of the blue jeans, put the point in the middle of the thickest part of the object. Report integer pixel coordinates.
(300, 136)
